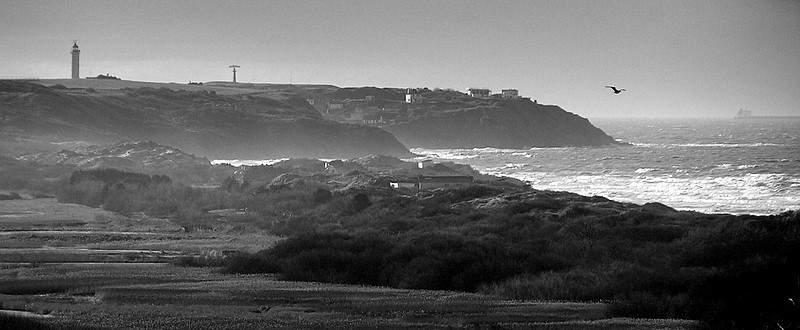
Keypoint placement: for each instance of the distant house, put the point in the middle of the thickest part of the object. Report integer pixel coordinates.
(104, 76)
(412, 95)
(429, 182)
(403, 184)
(342, 167)
(373, 119)
(479, 92)
(510, 94)
(424, 163)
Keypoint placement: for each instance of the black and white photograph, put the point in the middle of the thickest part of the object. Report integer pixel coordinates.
(400, 164)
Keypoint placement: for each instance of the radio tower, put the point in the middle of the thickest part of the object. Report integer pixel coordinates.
(234, 71)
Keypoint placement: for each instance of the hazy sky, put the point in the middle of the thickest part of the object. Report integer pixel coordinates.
(676, 58)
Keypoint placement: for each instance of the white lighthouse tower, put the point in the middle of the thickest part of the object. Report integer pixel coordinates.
(76, 54)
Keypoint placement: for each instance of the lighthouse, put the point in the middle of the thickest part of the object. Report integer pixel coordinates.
(76, 54)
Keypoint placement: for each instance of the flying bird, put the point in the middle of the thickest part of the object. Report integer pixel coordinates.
(616, 91)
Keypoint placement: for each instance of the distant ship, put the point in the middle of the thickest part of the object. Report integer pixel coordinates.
(747, 114)
(744, 113)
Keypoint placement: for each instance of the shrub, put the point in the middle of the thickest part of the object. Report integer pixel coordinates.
(447, 262)
(24, 322)
(644, 304)
(328, 257)
(358, 203)
(91, 193)
(578, 283)
(9, 196)
(114, 176)
(321, 196)
(651, 233)
(472, 191)
(759, 263)
(435, 261)
(257, 263)
(230, 184)
(211, 258)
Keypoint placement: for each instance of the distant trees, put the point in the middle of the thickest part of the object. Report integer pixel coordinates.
(434, 261)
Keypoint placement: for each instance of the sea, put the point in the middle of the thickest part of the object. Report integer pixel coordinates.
(737, 166)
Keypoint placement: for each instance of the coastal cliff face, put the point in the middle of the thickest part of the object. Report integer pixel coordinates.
(514, 124)
(250, 125)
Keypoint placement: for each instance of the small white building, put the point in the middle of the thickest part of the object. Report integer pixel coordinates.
(455, 181)
(404, 184)
(432, 182)
(412, 95)
(510, 94)
(479, 92)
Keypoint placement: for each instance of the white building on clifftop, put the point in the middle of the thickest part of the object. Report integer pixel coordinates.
(479, 92)
(510, 94)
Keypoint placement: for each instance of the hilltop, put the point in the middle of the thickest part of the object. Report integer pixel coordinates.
(212, 121)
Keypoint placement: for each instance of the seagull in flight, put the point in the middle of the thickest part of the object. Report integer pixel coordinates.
(616, 91)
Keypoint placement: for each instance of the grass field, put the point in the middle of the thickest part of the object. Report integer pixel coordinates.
(52, 266)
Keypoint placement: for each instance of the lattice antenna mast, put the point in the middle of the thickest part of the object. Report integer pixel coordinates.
(234, 71)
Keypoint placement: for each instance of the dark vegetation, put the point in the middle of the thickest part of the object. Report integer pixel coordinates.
(645, 260)
(648, 261)
(27, 323)
(9, 196)
(16, 176)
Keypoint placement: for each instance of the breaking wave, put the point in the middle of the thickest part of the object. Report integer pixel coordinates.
(714, 166)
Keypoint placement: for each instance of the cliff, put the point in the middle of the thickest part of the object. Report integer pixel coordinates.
(213, 122)
(517, 124)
